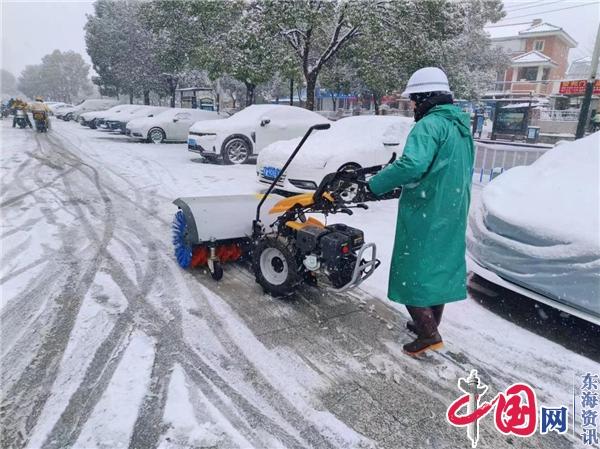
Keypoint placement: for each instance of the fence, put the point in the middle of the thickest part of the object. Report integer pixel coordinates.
(559, 116)
(491, 160)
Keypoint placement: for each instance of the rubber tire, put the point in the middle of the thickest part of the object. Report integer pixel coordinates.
(92, 124)
(224, 154)
(156, 129)
(217, 273)
(294, 276)
(352, 165)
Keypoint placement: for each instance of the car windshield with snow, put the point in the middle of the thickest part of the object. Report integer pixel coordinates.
(541, 238)
(352, 142)
(247, 132)
(171, 125)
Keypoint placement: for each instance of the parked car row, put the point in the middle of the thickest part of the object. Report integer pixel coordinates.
(266, 133)
(73, 112)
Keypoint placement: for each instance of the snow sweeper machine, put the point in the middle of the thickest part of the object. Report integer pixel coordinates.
(296, 247)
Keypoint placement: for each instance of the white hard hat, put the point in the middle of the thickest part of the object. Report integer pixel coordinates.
(427, 79)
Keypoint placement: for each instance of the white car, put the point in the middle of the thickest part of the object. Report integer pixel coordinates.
(54, 108)
(353, 142)
(247, 132)
(535, 229)
(86, 106)
(118, 122)
(95, 118)
(171, 125)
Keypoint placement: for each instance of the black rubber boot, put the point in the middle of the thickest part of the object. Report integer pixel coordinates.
(438, 311)
(422, 344)
(428, 335)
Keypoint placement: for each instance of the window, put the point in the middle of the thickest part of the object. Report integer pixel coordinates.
(538, 45)
(527, 74)
(545, 74)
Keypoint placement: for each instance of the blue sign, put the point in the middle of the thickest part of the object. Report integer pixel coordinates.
(270, 172)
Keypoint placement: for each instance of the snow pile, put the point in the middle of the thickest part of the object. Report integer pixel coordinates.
(538, 225)
(352, 135)
(557, 198)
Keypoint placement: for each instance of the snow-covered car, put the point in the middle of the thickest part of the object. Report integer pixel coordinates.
(171, 125)
(54, 108)
(118, 122)
(94, 118)
(114, 115)
(355, 142)
(247, 132)
(536, 229)
(86, 106)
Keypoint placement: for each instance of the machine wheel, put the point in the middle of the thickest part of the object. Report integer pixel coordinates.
(156, 135)
(217, 271)
(93, 124)
(236, 150)
(347, 191)
(183, 249)
(276, 267)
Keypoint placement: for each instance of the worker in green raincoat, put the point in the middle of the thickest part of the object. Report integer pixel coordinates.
(428, 263)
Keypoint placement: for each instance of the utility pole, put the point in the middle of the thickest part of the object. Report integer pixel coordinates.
(589, 88)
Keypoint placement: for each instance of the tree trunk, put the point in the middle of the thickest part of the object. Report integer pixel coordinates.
(147, 97)
(249, 94)
(172, 90)
(291, 91)
(299, 92)
(311, 84)
(376, 104)
(334, 102)
(131, 97)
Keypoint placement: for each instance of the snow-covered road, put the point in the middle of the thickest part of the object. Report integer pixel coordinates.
(107, 343)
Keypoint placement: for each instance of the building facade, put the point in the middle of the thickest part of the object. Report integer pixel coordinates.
(539, 54)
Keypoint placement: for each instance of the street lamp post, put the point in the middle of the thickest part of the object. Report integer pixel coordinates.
(589, 88)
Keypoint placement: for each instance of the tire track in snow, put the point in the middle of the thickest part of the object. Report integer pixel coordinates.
(231, 401)
(29, 394)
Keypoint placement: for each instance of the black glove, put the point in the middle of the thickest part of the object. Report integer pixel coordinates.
(366, 194)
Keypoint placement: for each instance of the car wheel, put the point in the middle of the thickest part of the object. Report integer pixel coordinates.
(350, 166)
(93, 124)
(156, 135)
(236, 150)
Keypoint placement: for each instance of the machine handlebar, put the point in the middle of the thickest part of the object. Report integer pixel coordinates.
(321, 126)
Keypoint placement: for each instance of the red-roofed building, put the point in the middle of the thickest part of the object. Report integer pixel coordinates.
(539, 52)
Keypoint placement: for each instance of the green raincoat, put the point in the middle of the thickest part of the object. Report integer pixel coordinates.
(428, 262)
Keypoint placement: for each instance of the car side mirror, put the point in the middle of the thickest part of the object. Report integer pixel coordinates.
(175, 120)
(265, 121)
